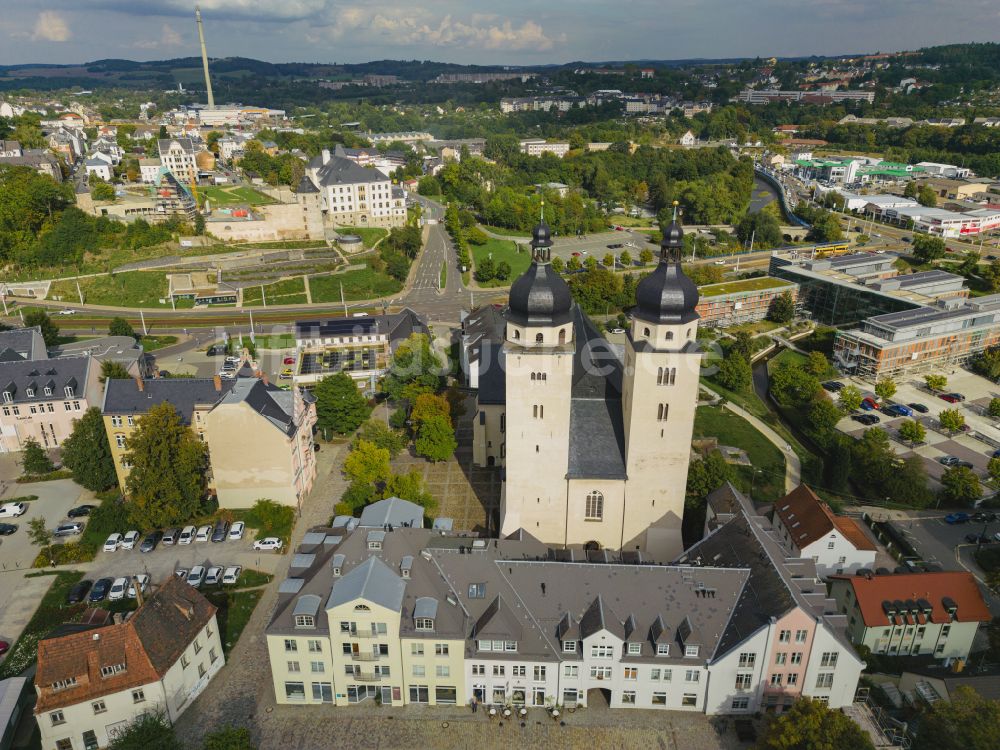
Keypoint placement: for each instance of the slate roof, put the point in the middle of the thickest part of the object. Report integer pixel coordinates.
(492, 376)
(27, 343)
(373, 581)
(341, 171)
(17, 376)
(124, 397)
(272, 403)
(392, 512)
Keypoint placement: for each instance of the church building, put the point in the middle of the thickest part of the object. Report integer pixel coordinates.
(594, 444)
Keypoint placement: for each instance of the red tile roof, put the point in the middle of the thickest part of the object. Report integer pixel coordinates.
(146, 646)
(808, 519)
(904, 592)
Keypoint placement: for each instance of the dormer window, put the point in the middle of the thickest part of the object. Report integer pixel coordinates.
(68, 390)
(64, 684)
(305, 621)
(423, 623)
(336, 572)
(375, 544)
(663, 649)
(569, 647)
(8, 397)
(112, 669)
(634, 649)
(691, 651)
(48, 390)
(30, 392)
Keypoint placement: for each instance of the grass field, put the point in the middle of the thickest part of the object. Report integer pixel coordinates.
(502, 250)
(286, 292)
(360, 284)
(765, 457)
(235, 608)
(369, 235)
(129, 289)
(277, 341)
(221, 195)
(743, 285)
(630, 221)
(759, 326)
(505, 231)
(152, 343)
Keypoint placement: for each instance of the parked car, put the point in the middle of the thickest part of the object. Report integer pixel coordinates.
(68, 529)
(79, 592)
(236, 530)
(170, 536)
(181, 573)
(268, 543)
(834, 386)
(113, 543)
(13, 510)
(956, 518)
(219, 533)
(868, 403)
(954, 461)
(234, 360)
(214, 350)
(80, 511)
(100, 590)
(231, 575)
(117, 590)
(204, 533)
(898, 410)
(866, 419)
(288, 361)
(197, 576)
(984, 517)
(286, 373)
(615, 246)
(978, 539)
(150, 542)
(187, 535)
(130, 539)
(143, 580)
(919, 408)
(213, 575)
(952, 398)
(4, 647)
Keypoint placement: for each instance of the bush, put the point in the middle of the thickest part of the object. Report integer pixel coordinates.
(271, 519)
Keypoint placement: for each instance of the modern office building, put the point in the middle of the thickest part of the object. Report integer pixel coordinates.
(745, 301)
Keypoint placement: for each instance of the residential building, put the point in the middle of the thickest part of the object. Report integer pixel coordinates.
(41, 399)
(177, 156)
(539, 146)
(733, 302)
(97, 167)
(405, 615)
(408, 136)
(688, 139)
(616, 431)
(362, 347)
(808, 528)
(41, 161)
(540, 103)
(9, 149)
(259, 437)
(385, 162)
(911, 614)
(94, 679)
(480, 328)
(16, 697)
(945, 334)
(22, 343)
(356, 196)
(767, 96)
(149, 171)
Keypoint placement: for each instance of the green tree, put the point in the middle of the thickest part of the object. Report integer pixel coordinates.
(409, 486)
(199, 223)
(435, 439)
(987, 364)
(967, 720)
(927, 248)
(34, 460)
(993, 468)
(645, 256)
(112, 370)
(414, 363)
(705, 475)
(793, 386)
(885, 388)
(951, 419)
(167, 480)
(503, 271)
(486, 269)
(960, 486)
(380, 434)
(994, 408)
(102, 191)
(339, 404)
(817, 364)
(926, 196)
(735, 373)
(557, 264)
(811, 725)
(763, 227)
(228, 738)
(936, 382)
(573, 264)
(609, 260)
(367, 464)
(40, 318)
(428, 405)
(912, 431)
(822, 417)
(742, 344)
(590, 263)
(149, 731)
(121, 327)
(429, 185)
(40, 535)
(782, 309)
(87, 454)
(625, 259)
(849, 398)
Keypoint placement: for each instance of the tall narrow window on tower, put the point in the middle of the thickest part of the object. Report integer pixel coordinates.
(662, 411)
(594, 509)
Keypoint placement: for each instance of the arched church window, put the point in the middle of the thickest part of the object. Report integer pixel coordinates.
(562, 335)
(538, 338)
(532, 377)
(594, 509)
(645, 331)
(670, 336)
(517, 334)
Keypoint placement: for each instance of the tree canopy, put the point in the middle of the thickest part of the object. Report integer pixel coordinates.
(339, 404)
(810, 725)
(87, 454)
(967, 721)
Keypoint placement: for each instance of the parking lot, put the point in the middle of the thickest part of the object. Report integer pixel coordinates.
(54, 500)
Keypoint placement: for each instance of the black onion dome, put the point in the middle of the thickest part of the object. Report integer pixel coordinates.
(667, 295)
(540, 296)
(673, 236)
(541, 235)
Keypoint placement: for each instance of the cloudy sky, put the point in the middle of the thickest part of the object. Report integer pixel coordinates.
(482, 31)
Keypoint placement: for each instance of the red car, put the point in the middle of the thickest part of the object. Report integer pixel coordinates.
(872, 403)
(4, 647)
(576, 255)
(952, 398)
(289, 360)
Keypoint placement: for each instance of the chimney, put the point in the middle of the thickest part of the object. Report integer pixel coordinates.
(218, 383)
(263, 377)
(140, 385)
(326, 155)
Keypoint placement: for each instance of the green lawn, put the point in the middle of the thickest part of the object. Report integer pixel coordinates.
(369, 235)
(152, 343)
(444, 275)
(220, 195)
(277, 341)
(129, 289)
(502, 250)
(285, 292)
(504, 231)
(630, 221)
(758, 326)
(363, 283)
(234, 613)
(765, 457)
(743, 285)
(51, 613)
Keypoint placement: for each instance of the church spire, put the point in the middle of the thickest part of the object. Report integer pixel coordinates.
(672, 244)
(541, 240)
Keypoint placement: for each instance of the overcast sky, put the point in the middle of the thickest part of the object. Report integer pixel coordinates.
(482, 31)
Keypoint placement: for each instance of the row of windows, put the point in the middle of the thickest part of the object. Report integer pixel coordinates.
(785, 636)
(40, 408)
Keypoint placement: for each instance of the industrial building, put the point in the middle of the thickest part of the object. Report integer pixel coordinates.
(744, 301)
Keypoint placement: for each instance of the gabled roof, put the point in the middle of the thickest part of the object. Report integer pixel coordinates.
(341, 171)
(808, 519)
(497, 622)
(18, 375)
(599, 617)
(125, 396)
(373, 581)
(272, 403)
(905, 592)
(392, 512)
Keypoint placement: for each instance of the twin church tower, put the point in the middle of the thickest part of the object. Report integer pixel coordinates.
(595, 445)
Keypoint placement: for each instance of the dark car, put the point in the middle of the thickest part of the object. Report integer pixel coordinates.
(214, 351)
(984, 517)
(867, 419)
(6, 529)
(79, 592)
(956, 518)
(952, 398)
(100, 590)
(221, 531)
(978, 539)
(834, 386)
(80, 510)
(919, 407)
(149, 543)
(615, 246)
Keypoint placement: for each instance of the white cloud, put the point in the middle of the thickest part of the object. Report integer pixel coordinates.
(51, 27)
(168, 38)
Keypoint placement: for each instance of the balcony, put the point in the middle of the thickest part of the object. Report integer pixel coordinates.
(367, 676)
(365, 657)
(359, 634)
